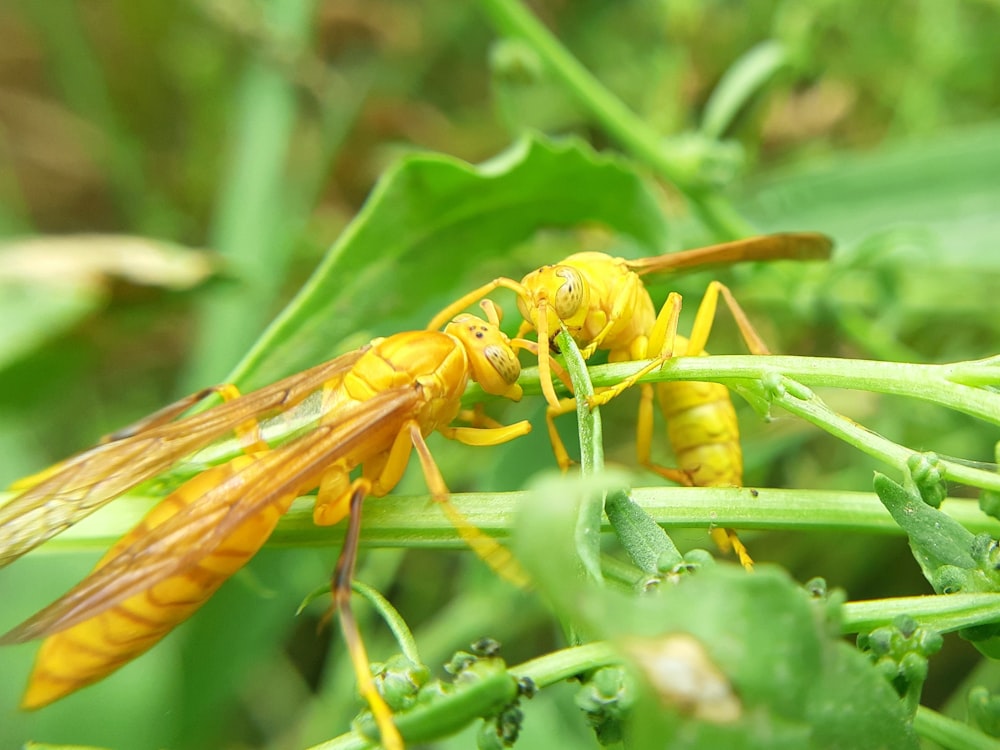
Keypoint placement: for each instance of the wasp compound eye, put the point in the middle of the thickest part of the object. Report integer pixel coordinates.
(504, 361)
(569, 296)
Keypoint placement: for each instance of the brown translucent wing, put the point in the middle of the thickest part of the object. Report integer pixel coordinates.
(180, 542)
(784, 246)
(89, 480)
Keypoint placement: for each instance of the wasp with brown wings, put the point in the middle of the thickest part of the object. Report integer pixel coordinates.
(371, 408)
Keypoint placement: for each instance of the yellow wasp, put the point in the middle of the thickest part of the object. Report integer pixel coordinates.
(603, 304)
(368, 408)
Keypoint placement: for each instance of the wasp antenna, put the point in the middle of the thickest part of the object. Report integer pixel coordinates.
(494, 313)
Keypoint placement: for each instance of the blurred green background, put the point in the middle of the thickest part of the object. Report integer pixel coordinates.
(223, 145)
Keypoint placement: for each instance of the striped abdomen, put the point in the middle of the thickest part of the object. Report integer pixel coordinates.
(87, 652)
(703, 431)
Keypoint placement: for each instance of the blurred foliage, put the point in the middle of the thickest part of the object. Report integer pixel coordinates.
(257, 129)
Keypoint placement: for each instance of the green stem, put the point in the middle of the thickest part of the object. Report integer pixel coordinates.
(768, 381)
(940, 384)
(566, 663)
(796, 399)
(589, 420)
(414, 521)
(561, 665)
(949, 733)
(944, 613)
(544, 671)
(400, 630)
(591, 511)
(514, 20)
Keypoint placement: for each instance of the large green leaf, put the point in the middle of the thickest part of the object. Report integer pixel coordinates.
(429, 223)
(760, 655)
(945, 188)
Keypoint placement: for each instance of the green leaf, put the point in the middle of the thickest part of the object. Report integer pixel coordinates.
(784, 662)
(428, 229)
(744, 78)
(649, 546)
(942, 191)
(48, 284)
(36, 312)
(763, 657)
(941, 546)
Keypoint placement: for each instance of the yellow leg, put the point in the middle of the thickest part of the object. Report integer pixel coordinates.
(565, 406)
(661, 341)
(706, 315)
(544, 360)
(337, 498)
(342, 576)
(728, 540)
(644, 426)
(489, 550)
(546, 366)
(487, 435)
(332, 499)
(382, 473)
(532, 348)
(439, 320)
(595, 343)
(477, 418)
(725, 539)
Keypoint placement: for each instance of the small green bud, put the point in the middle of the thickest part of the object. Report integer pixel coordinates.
(398, 680)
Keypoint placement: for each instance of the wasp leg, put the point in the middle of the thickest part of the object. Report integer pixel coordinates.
(728, 539)
(382, 472)
(543, 353)
(544, 370)
(661, 341)
(487, 435)
(706, 315)
(339, 497)
(477, 417)
(439, 320)
(488, 549)
(699, 338)
(343, 574)
(565, 406)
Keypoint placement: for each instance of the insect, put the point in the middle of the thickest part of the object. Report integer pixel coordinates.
(602, 302)
(368, 408)
(701, 421)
